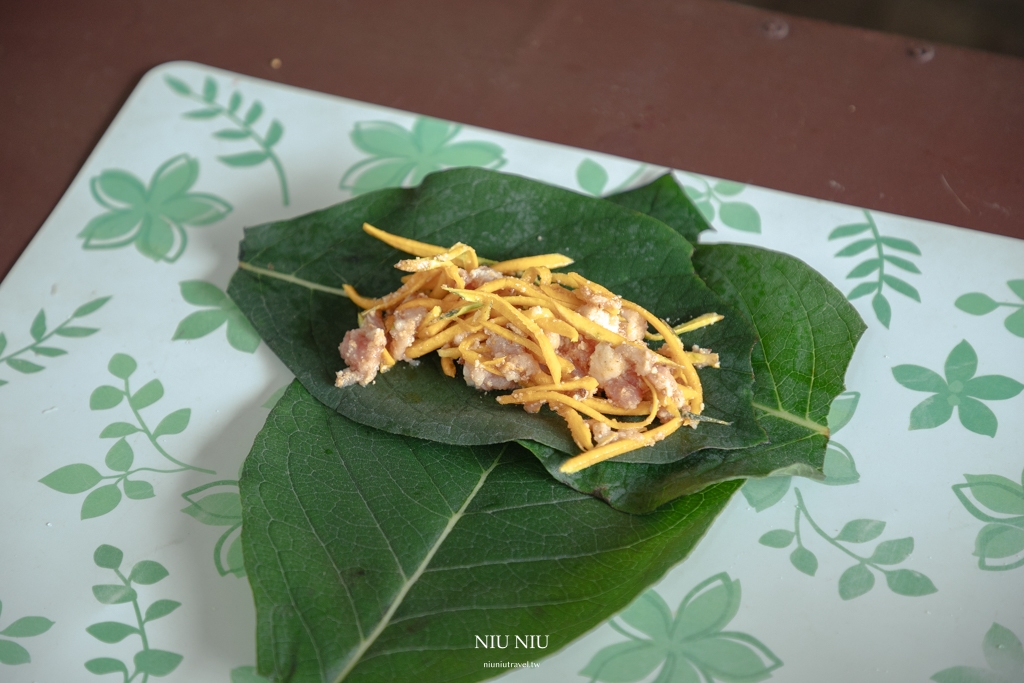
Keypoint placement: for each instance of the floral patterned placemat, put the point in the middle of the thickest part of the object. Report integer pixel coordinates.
(131, 389)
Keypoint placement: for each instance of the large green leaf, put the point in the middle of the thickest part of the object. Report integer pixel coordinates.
(807, 332)
(374, 556)
(290, 305)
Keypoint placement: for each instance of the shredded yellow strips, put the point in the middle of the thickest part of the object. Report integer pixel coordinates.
(555, 339)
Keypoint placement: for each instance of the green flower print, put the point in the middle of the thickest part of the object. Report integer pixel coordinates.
(960, 389)
(400, 156)
(1000, 543)
(1004, 655)
(11, 653)
(154, 217)
(691, 647)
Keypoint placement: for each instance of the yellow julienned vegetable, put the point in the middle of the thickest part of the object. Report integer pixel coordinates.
(553, 338)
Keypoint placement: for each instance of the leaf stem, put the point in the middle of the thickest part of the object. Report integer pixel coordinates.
(152, 439)
(259, 139)
(34, 344)
(138, 619)
(878, 246)
(292, 279)
(801, 507)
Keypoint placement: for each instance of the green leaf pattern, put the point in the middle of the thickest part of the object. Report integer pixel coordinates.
(152, 218)
(147, 661)
(1003, 654)
(999, 502)
(218, 504)
(734, 214)
(402, 157)
(241, 127)
(218, 309)
(12, 653)
(979, 303)
(690, 646)
(875, 265)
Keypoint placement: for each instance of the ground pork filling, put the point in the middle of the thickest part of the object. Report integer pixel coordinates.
(553, 339)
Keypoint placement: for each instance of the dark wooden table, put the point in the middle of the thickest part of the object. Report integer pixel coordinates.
(843, 114)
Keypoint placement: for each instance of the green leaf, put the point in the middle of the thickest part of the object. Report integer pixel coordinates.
(882, 309)
(26, 627)
(967, 674)
(254, 113)
(38, 328)
(976, 303)
(106, 665)
(977, 417)
(235, 563)
(209, 89)
(235, 102)
(996, 541)
(903, 263)
(121, 365)
(706, 208)
(105, 397)
(842, 409)
(901, 245)
(155, 239)
(839, 468)
(993, 387)
(741, 216)
(902, 287)
(13, 654)
(469, 153)
(177, 85)
(160, 608)
(48, 351)
(649, 614)
(73, 331)
(111, 631)
(101, 501)
(241, 334)
(108, 557)
(777, 538)
(90, 307)
(110, 226)
(114, 593)
(592, 177)
(138, 490)
(431, 134)
(765, 492)
(150, 393)
(855, 582)
(863, 289)
(174, 423)
(848, 230)
(910, 583)
(216, 509)
(804, 560)
(157, 662)
(116, 430)
(862, 531)
(864, 268)
(443, 584)
(997, 493)
(208, 113)
(894, 551)
(23, 366)
(76, 478)
(480, 208)
(3, 342)
(199, 324)
(624, 662)
(665, 200)
(917, 378)
(274, 133)
(727, 188)
(232, 134)
(120, 456)
(1003, 651)
(195, 209)
(147, 572)
(1017, 287)
(962, 363)
(245, 158)
(121, 186)
(1015, 322)
(856, 247)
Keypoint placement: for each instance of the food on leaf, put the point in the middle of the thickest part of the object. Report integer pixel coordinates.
(553, 338)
